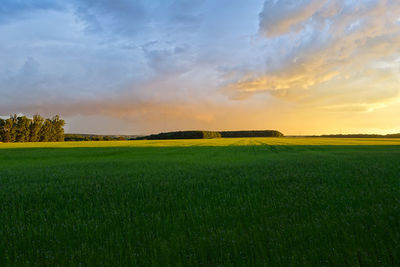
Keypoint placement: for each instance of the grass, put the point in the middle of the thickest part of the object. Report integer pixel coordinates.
(225, 202)
(273, 141)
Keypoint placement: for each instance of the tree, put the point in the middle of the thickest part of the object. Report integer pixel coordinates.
(22, 129)
(38, 129)
(57, 134)
(46, 130)
(2, 124)
(35, 128)
(9, 129)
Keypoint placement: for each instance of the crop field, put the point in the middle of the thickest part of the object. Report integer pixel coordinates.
(216, 202)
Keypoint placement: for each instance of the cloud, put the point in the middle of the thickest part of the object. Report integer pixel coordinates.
(159, 64)
(118, 16)
(167, 59)
(186, 14)
(126, 18)
(13, 10)
(334, 44)
(280, 17)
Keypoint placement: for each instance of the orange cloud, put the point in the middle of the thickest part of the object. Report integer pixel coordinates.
(340, 46)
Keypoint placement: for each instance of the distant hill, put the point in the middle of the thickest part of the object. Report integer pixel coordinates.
(97, 137)
(209, 134)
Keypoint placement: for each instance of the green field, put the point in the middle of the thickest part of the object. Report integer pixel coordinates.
(217, 202)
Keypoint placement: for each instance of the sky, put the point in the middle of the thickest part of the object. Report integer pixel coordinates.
(139, 67)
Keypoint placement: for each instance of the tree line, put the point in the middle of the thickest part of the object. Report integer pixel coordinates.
(251, 133)
(36, 129)
(210, 134)
(92, 137)
(181, 135)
